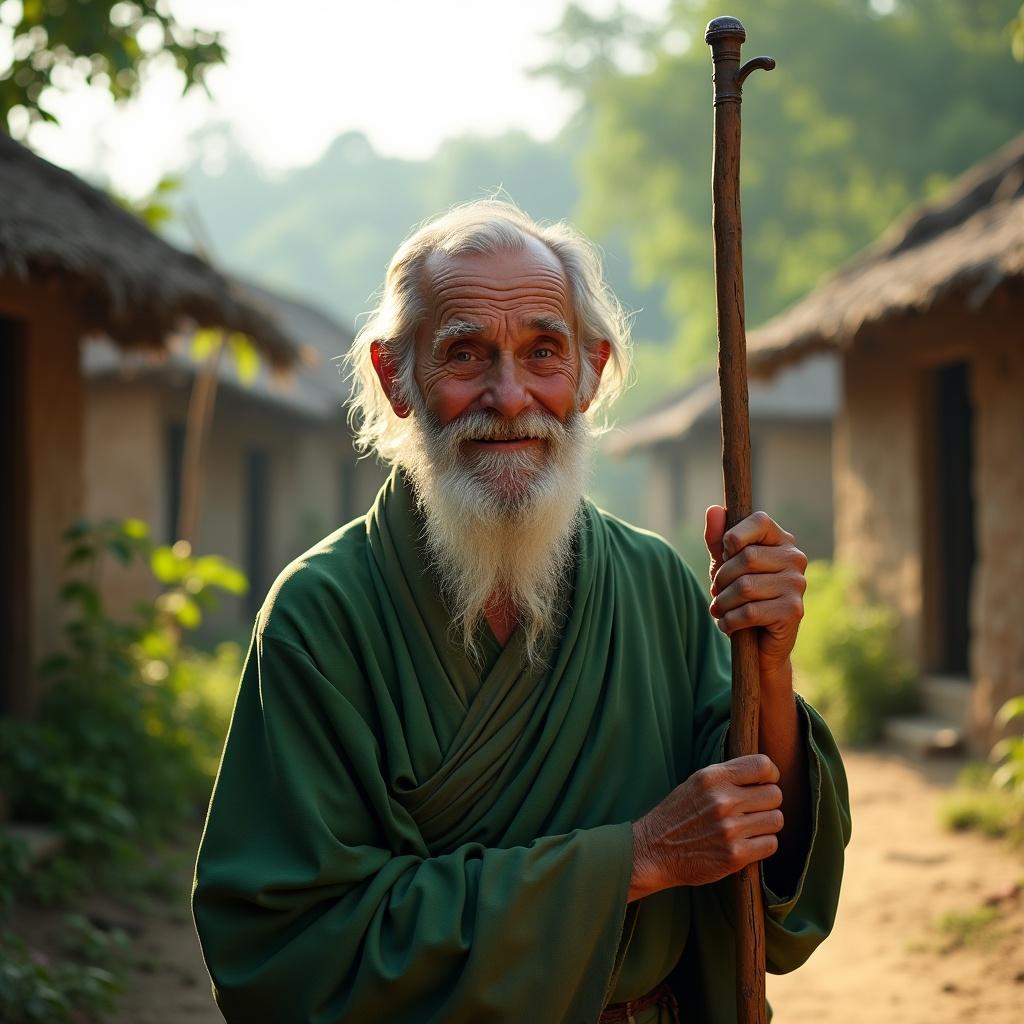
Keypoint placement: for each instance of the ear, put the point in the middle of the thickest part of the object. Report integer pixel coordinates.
(385, 370)
(598, 357)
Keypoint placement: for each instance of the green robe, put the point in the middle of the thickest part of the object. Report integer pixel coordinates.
(396, 835)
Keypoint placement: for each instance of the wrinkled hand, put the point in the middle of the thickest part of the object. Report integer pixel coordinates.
(757, 579)
(719, 820)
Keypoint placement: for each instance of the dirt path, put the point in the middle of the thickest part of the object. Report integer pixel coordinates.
(887, 960)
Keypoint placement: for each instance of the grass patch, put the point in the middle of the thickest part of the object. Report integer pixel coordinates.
(991, 812)
(977, 805)
(960, 929)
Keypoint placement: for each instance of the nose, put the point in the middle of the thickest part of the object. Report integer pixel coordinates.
(506, 392)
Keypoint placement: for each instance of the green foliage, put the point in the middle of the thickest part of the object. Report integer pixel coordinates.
(1016, 29)
(35, 990)
(846, 657)
(991, 812)
(1008, 753)
(129, 731)
(13, 867)
(825, 168)
(960, 928)
(109, 44)
(212, 342)
(990, 797)
(153, 210)
(329, 230)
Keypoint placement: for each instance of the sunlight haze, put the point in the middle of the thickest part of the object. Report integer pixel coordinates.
(405, 74)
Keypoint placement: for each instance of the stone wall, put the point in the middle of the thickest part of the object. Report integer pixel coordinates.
(886, 525)
(123, 466)
(997, 619)
(128, 473)
(876, 474)
(792, 482)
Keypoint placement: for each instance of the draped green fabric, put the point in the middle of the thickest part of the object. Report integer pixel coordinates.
(398, 835)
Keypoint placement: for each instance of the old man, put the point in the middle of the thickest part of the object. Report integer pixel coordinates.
(476, 768)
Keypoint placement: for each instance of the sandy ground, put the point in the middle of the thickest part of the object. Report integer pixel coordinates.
(887, 960)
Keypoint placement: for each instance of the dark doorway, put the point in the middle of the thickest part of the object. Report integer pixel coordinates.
(15, 622)
(175, 442)
(953, 508)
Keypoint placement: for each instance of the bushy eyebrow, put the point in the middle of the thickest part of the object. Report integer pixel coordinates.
(551, 325)
(455, 329)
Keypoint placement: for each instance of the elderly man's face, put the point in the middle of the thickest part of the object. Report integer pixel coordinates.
(499, 339)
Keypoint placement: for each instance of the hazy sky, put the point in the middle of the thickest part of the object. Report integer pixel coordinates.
(406, 73)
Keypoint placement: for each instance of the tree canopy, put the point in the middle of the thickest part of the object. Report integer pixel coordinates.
(109, 44)
(872, 106)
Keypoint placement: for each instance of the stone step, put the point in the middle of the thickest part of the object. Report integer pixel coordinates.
(947, 697)
(41, 843)
(925, 734)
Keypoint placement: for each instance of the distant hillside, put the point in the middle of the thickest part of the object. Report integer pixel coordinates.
(327, 231)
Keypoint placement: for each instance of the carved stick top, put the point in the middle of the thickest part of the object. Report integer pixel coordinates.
(723, 28)
(725, 36)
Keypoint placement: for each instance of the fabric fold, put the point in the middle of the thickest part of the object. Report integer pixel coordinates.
(397, 836)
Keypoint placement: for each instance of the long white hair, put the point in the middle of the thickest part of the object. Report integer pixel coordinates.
(482, 227)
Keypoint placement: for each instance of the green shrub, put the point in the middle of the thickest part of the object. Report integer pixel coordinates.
(130, 726)
(1008, 753)
(989, 797)
(846, 657)
(992, 812)
(35, 990)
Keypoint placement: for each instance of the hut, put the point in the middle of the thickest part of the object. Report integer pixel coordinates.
(74, 264)
(790, 448)
(929, 481)
(279, 467)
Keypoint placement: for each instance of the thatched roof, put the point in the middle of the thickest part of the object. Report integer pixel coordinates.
(967, 246)
(123, 280)
(314, 389)
(808, 393)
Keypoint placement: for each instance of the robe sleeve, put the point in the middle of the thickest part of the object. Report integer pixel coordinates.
(796, 923)
(316, 900)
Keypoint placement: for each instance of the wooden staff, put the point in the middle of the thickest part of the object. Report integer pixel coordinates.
(725, 36)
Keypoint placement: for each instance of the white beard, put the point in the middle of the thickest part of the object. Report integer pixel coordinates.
(501, 525)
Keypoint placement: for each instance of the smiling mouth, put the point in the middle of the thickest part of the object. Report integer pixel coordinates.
(506, 443)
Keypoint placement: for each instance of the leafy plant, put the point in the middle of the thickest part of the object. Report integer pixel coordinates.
(108, 44)
(1008, 753)
(990, 797)
(846, 656)
(130, 727)
(13, 867)
(992, 812)
(35, 990)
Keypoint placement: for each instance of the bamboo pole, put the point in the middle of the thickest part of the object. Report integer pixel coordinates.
(725, 36)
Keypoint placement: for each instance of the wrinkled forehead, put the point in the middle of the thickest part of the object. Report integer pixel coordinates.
(510, 284)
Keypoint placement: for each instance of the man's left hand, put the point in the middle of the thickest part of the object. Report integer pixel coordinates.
(757, 579)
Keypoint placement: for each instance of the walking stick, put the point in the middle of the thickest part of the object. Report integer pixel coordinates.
(725, 36)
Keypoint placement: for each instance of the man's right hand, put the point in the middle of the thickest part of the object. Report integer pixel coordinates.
(719, 820)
